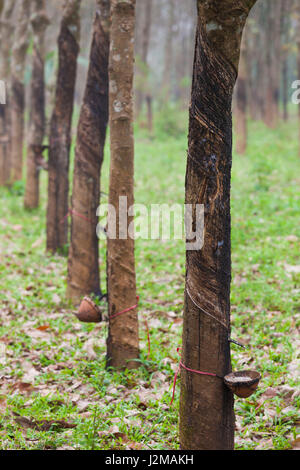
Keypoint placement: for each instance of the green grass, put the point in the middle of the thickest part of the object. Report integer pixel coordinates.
(58, 372)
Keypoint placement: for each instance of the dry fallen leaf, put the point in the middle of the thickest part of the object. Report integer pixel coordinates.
(42, 425)
(3, 405)
(296, 444)
(23, 387)
(43, 327)
(37, 243)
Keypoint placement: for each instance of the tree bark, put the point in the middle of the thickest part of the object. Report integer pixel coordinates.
(5, 69)
(60, 127)
(83, 262)
(39, 23)
(17, 102)
(206, 405)
(123, 341)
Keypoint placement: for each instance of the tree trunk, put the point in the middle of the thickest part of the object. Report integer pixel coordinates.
(123, 341)
(149, 113)
(140, 92)
(253, 59)
(277, 57)
(298, 64)
(286, 25)
(273, 63)
(168, 60)
(83, 263)
(206, 405)
(241, 103)
(39, 23)
(5, 121)
(17, 102)
(285, 86)
(60, 127)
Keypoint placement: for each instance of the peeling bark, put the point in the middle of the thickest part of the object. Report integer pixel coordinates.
(60, 127)
(39, 23)
(17, 102)
(83, 262)
(123, 341)
(206, 405)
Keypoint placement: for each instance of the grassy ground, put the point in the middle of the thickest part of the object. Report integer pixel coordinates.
(55, 392)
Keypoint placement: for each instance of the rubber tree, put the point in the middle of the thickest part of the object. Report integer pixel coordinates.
(206, 405)
(169, 52)
(273, 62)
(142, 72)
(286, 48)
(60, 127)
(6, 35)
(39, 22)
(83, 261)
(17, 102)
(122, 341)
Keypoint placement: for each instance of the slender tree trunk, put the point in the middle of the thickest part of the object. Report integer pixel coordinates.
(273, 63)
(285, 87)
(241, 104)
(39, 23)
(277, 57)
(206, 405)
(269, 114)
(168, 60)
(286, 25)
(83, 263)
(298, 62)
(261, 45)
(60, 127)
(5, 121)
(149, 113)
(253, 59)
(17, 102)
(122, 342)
(140, 94)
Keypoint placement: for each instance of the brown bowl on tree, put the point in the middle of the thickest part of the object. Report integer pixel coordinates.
(88, 311)
(243, 383)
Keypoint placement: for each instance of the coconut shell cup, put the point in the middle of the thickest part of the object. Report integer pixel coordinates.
(89, 312)
(243, 383)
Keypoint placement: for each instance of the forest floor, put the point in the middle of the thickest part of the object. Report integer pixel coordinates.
(55, 392)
